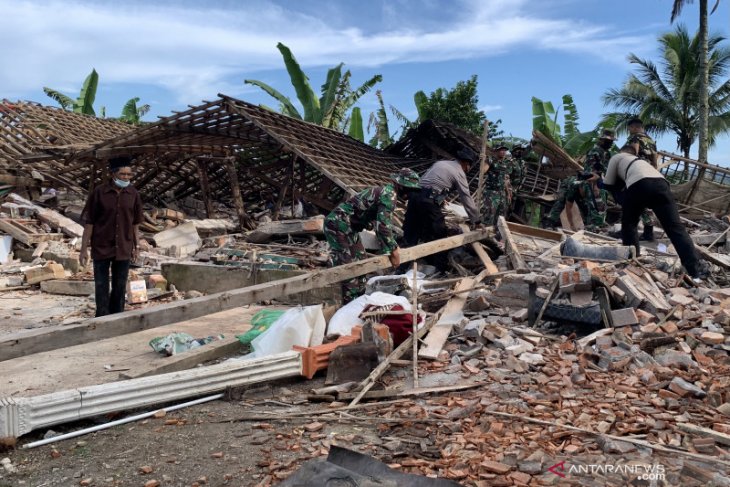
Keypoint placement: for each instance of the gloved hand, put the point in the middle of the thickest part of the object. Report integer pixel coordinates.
(476, 226)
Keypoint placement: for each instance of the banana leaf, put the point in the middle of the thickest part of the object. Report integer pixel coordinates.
(66, 102)
(288, 108)
(85, 102)
(329, 93)
(304, 91)
(580, 143)
(570, 124)
(355, 131)
(420, 99)
(543, 119)
(356, 94)
(129, 112)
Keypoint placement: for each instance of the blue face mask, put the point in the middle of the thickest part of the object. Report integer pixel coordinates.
(120, 183)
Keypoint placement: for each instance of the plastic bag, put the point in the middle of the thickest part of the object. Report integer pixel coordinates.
(297, 326)
(179, 342)
(260, 322)
(348, 317)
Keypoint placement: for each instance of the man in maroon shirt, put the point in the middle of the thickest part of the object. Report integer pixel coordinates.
(112, 216)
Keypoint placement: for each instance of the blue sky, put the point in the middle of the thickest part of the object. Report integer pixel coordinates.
(176, 53)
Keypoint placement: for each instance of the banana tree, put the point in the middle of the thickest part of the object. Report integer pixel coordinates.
(337, 95)
(132, 113)
(85, 101)
(379, 123)
(545, 120)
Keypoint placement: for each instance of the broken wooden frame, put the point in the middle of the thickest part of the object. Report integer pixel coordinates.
(34, 341)
(210, 149)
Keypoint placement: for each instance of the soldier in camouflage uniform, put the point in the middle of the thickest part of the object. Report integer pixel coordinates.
(497, 192)
(517, 174)
(596, 162)
(568, 195)
(374, 206)
(644, 147)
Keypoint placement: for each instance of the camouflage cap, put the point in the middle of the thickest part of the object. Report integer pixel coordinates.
(501, 147)
(408, 178)
(608, 134)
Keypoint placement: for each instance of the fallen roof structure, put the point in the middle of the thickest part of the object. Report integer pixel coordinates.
(433, 140)
(230, 150)
(32, 132)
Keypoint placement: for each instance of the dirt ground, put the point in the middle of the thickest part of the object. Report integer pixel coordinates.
(195, 445)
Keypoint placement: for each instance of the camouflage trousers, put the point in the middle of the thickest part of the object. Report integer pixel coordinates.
(345, 247)
(568, 192)
(494, 204)
(595, 205)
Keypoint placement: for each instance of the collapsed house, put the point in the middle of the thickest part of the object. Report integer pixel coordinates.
(535, 358)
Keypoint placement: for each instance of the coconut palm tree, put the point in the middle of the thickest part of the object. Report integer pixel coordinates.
(704, 81)
(668, 97)
(337, 96)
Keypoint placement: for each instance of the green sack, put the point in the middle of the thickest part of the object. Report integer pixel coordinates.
(260, 322)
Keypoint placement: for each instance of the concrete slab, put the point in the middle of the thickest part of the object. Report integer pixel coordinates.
(84, 365)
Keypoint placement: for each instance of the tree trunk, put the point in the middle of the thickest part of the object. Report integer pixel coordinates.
(704, 88)
(704, 100)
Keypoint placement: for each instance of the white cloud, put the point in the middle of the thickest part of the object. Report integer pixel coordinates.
(193, 50)
(490, 108)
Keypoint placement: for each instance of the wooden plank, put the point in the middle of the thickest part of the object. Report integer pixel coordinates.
(699, 430)
(51, 338)
(535, 232)
(482, 254)
(509, 244)
(451, 315)
(265, 231)
(53, 218)
(577, 218)
(24, 234)
(717, 259)
(189, 359)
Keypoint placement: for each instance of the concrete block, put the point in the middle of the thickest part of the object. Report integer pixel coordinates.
(68, 287)
(182, 240)
(624, 317)
(680, 300)
(45, 273)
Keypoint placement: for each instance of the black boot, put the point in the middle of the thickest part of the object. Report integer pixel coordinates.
(648, 234)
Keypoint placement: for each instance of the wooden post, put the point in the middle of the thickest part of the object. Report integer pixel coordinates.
(481, 253)
(482, 166)
(279, 201)
(205, 188)
(244, 222)
(414, 313)
(518, 263)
